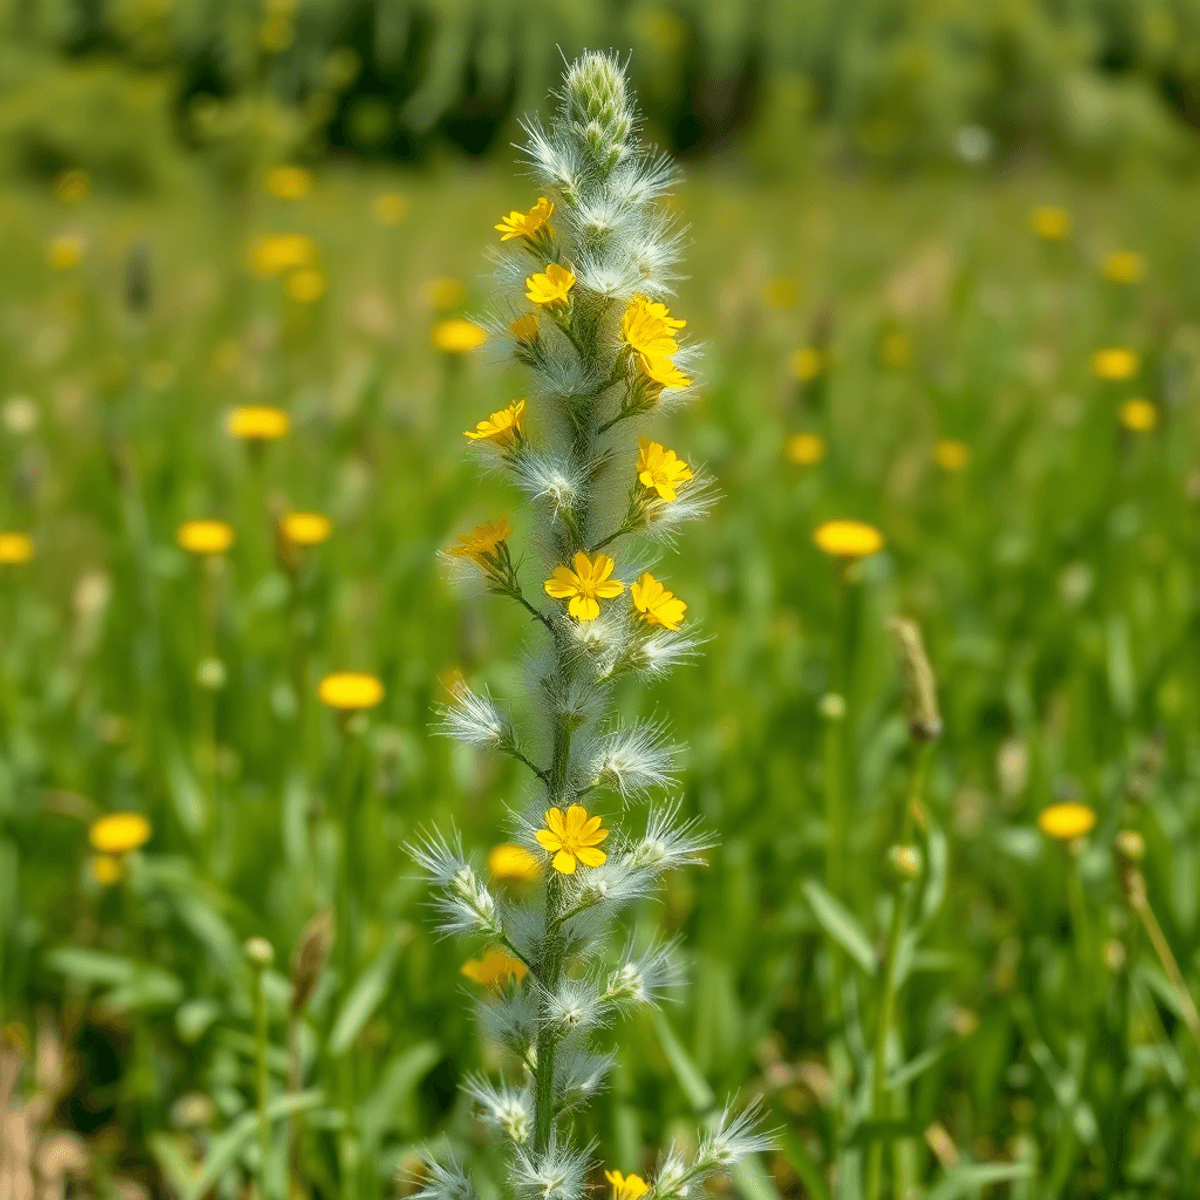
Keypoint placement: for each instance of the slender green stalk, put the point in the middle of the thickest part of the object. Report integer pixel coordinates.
(547, 1040)
(262, 1080)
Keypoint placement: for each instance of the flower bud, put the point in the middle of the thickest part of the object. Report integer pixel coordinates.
(1130, 845)
(832, 706)
(924, 718)
(310, 956)
(260, 952)
(904, 862)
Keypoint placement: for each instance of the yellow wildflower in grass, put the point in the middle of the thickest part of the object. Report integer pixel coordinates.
(494, 969)
(106, 869)
(660, 470)
(1115, 363)
(305, 286)
(527, 225)
(509, 861)
(1138, 415)
(551, 287)
(257, 422)
(456, 335)
(806, 449)
(203, 536)
(15, 548)
(572, 836)
(649, 329)
(1124, 266)
(483, 539)
(288, 183)
(1050, 223)
(626, 1187)
(444, 293)
(664, 372)
(279, 252)
(525, 329)
(656, 605)
(895, 351)
(848, 539)
(1066, 821)
(503, 428)
(119, 832)
(350, 690)
(806, 364)
(389, 208)
(64, 252)
(951, 455)
(305, 528)
(585, 586)
(72, 186)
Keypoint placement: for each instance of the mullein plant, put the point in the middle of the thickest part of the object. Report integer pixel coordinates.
(584, 275)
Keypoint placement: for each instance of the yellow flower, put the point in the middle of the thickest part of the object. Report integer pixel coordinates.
(1051, 224)
(585, 586)
(509, 861)
(444, 293)
(1139, 415)
(806, 364)
(525, 329)
(1124, 266)
(204, 536)
(305, 528)
(661, 470)
(1115, 363)
(350, 690)
(15, 548)
(526, 225)
(484, 539)
(570, 836)
(288, 183)
(71, 186)
(848, 539)
(951, 455)
(279, 252)
(656, 604)
(1066, 821)
(455, 335)
(107, 869)
(495, 969)
(626, 1187)
(664, 372)
(552, 287)
(895, 350)
(807, 449)
(119, 832)
(649, 328)
(64, 252)
(305, 286)
(257, 422)
(503, 427)
(389, 208)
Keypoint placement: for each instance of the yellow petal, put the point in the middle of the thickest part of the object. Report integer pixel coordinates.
(606, 591)
(564, 863)
(554, 820)
(591, 857)
(591, 826)
(548, 841)
(576, 818)
(584, 608)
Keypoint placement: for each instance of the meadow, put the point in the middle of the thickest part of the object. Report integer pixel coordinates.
(918, 354)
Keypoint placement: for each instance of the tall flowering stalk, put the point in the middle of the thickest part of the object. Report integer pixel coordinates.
(583, 275)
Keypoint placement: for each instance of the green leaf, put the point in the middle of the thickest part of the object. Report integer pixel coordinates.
(884, 1129)
(191, 808)
(970, 1176)
(751, 1179)
(841, 925)
(92, 966)
(149, 987)
(918, 1066)
(695, 1087)
(384, 1108)
(176, 1167)
(807, 1169)
(364, 998)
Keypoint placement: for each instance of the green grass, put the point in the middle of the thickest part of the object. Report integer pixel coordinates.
(1055, 579)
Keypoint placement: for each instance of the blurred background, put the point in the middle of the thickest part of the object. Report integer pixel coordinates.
(946, 262)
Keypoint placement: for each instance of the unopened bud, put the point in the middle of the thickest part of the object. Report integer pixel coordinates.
(1114, 955)
(1130, 845)
(924, 718)
(905, 861)
(310, 956)
(260, 952)
(832, 706)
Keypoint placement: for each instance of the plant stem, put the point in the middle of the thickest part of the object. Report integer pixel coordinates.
(1187, 1006)
(262, 1078)
(547, 1040)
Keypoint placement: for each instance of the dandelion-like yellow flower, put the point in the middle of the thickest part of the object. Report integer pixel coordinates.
(257, 423)
(106, 869)
(1138, 415)
(15, 548)
(551, 287)
(502, 428)
(1124, 266)
(951, 455)
(305, 286)
(288, 183)
(806, 364)
(494, 969)
(509, 861)
(848, 539)
(656, 605)
(572, 836)
(389, 208)
(484, 539)
(525, 329)
(527, 225)
(456, 335)
(649, 329)
(1115, 363)
(660, 470)
(1050, 223)
(444, 293)
(119, 832)
(626, 1187)
(806, 449)
(585, 586)
(350, 690)
(305, 528)
(64, 252)
(279, 252)
(203, 536)
(72, 186)
(1066, 821)
(664, 372)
